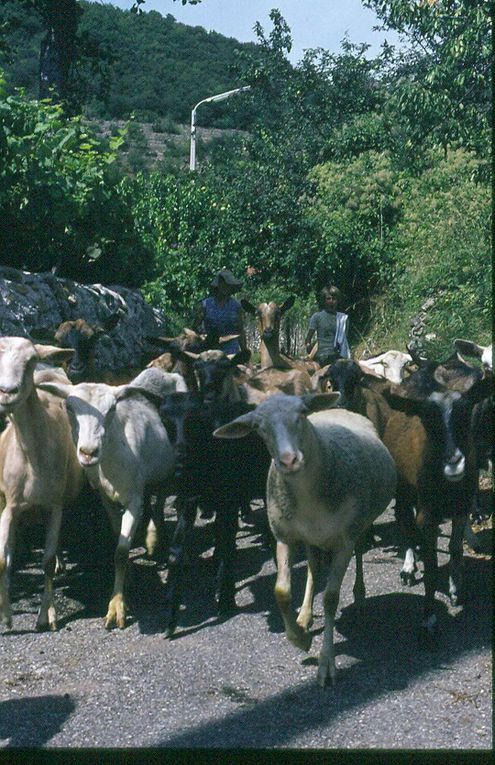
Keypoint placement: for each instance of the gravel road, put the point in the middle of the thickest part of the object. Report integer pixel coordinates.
(238, 682)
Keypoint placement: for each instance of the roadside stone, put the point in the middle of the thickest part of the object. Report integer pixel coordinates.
(31, 301)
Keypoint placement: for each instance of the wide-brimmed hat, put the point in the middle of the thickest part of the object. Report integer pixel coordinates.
(228, 278)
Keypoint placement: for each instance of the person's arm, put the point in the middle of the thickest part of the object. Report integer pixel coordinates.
(198, 318)
(308, 340)
(241, 330)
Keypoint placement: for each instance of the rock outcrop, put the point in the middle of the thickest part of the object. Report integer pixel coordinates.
(31, 301)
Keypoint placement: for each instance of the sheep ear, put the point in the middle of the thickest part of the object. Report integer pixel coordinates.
(480, 390)
(238, 428)
(191, 355)
(52, 354)
(367, 370)
(126, 391)
(468, 348)
(317, 402)
(159, 340)
(57, 389)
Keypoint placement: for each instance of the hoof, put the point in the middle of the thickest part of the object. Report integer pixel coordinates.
(305, 622)
(113, 621)
(326, 675)
(226, 606)
(428, 634)
(45, 627)
(170, 630)
(301, 640)
(408, 578)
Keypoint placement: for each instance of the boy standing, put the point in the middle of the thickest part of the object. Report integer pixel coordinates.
(330, 326)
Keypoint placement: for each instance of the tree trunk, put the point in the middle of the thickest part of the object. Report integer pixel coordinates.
(61, 18)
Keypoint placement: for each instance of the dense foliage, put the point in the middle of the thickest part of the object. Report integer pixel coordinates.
(366, 172)
(125, 63)
(60, 203)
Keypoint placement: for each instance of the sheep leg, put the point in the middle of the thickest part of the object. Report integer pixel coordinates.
(114, 514)
(47, 617)
(59, 561)
(7, 536)
(471, 538)
(116, 613)
(429, 626)
(226, 521)
(305, 617)
(459, 523)
(155, 531)
(338, 566)
(359, 589)
(178, 552)
(404, 515)
(295, 633)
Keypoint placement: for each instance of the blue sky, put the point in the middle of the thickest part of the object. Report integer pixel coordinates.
(313, 23)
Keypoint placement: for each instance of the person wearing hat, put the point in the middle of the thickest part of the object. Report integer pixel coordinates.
(222, 314)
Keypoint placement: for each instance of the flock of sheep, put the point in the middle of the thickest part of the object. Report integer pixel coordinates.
(327, 449)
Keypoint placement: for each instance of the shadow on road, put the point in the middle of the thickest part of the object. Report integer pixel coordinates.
(388, 662)
(378, 655)
(33, 721)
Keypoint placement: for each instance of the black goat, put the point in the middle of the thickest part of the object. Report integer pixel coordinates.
(227, 474)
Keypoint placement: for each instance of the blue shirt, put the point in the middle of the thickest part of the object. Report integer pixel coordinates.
(222, 320)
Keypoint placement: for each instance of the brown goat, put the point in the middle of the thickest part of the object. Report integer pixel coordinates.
(268, 317)
(83, 337)
(267, 382)
(431, 441)
(364, 394)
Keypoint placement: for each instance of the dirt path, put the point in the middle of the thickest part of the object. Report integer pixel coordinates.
(238, 682)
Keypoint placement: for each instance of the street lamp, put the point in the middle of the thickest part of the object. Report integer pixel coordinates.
(211, 99)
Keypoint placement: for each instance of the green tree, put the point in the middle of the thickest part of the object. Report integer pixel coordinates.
(58, 51)
(442, 251)
(443, 87)
(354, 208)
(61, 203)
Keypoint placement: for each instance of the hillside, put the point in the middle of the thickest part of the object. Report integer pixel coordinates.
(160, 143)
(145, 64)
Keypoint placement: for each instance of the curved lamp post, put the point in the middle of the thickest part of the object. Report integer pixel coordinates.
(211, 99)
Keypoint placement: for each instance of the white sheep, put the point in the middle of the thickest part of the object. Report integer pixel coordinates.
(124, 449)
(38, 465)
(391, 365)
(330, 477)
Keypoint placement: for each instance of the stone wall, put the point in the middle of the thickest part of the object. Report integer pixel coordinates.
(42, 301)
